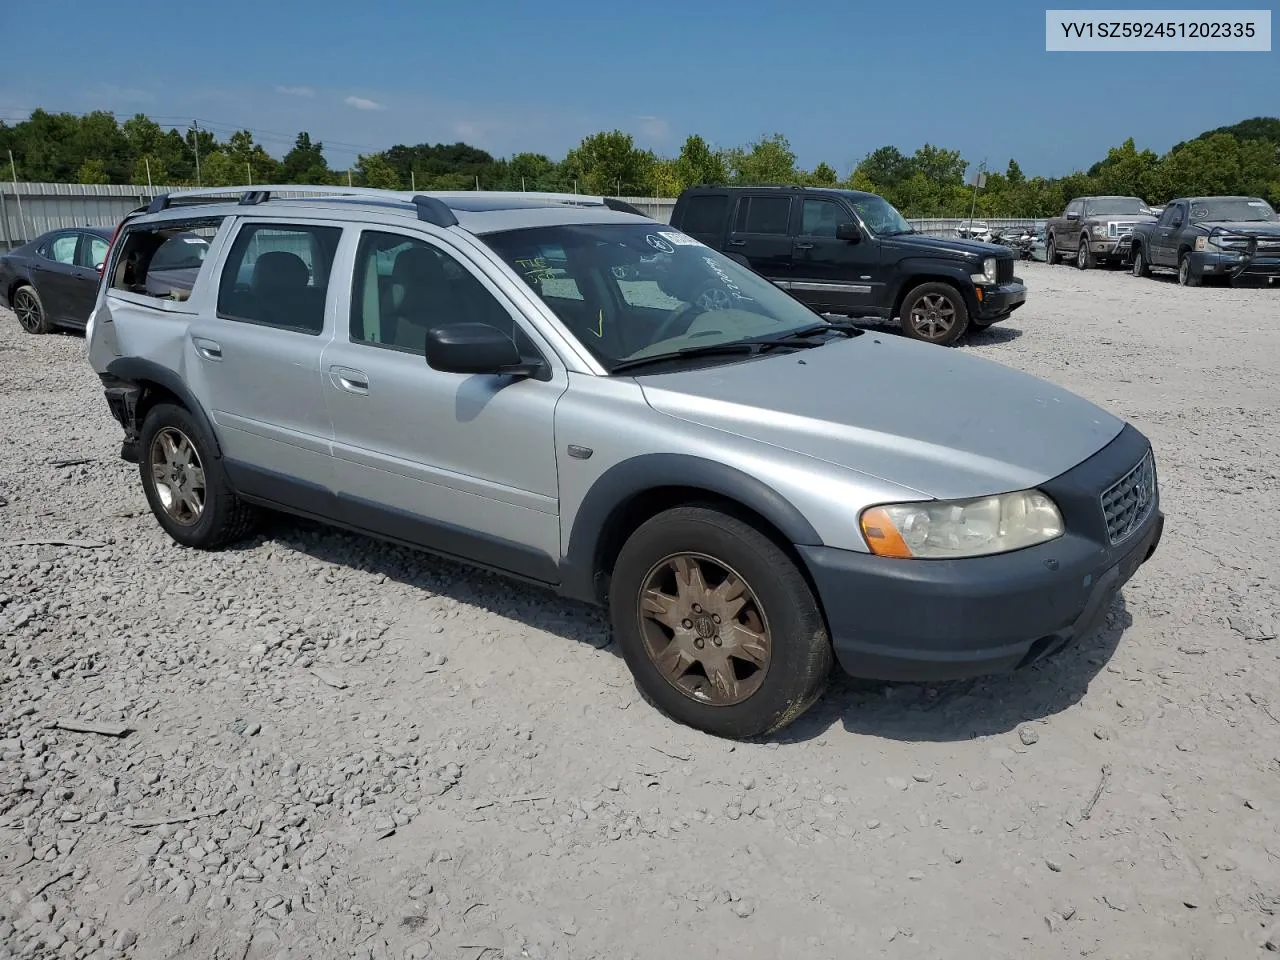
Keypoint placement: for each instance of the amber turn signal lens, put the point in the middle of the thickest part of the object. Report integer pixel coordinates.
(882, 536)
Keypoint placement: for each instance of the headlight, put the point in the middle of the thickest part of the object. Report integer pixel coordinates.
(988, 274)
(949, 529)
(1100, 230)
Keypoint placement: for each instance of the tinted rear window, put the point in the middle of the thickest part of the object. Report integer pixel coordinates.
(706, 214)
(763, 215)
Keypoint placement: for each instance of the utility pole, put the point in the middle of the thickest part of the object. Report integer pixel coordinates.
(18, 196)
(249, 170)
(979, 181)
(195, 137)
(413, 181)
(147, 161)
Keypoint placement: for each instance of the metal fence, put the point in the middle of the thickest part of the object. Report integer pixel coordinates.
(28, 210)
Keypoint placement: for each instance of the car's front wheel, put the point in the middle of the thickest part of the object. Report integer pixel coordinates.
(717, 624)
(1085, 259)
(185, 484)
(30, 311)
(1050, 252)
(1185, 276)
(1140, 267)
(935, 313)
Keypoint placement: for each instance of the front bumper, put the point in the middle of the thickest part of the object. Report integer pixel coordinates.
(1112, 248)
(1212, 263)
(997, 302)
(933, 620)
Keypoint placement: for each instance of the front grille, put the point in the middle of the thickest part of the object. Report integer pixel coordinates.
(1130, 500)
(1004, 270)
(1120, 229)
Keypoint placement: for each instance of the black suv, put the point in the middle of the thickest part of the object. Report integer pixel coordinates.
(851, 253)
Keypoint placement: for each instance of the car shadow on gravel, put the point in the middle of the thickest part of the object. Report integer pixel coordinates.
(996, 333)
(965, 709)
(533, 606)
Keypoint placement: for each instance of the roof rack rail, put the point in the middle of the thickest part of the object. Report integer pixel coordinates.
(429, 208)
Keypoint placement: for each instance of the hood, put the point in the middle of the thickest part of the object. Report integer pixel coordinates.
(959, 249)
(935, 419)
(1269, 227)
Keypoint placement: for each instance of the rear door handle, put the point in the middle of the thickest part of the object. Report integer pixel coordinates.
(737, 243)
(350, 379)
(804, 246)
(209, 349)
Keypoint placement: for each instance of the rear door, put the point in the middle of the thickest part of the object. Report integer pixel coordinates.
(833, 275)
(54, 273)
(257, 360)
(760, 231)
(92, 250)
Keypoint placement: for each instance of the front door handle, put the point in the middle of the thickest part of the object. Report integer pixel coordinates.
(737, 243)
(209, 349)
(804, 246)
(349, 379)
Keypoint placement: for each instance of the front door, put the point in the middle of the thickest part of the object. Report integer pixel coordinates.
(834, 275)
(91, 252)
(257, 363)
(464, 465)
(1164, 244)
(761, 233)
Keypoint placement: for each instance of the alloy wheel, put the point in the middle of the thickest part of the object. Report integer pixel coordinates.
(178, 475)
(28, 310)
(704, 629)
(933, 316)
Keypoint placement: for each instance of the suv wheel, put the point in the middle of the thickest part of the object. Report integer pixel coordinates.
(184, 483)
(717, 624)
(30, 311)
(1140, 267)
(935, 313)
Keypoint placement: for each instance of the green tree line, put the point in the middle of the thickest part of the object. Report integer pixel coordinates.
(95, 148)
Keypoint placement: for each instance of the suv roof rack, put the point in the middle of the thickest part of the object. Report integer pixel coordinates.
(432, 208)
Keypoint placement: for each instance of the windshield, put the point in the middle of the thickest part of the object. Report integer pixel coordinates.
(631, 291)
(1232, 208)
(880, 216)
(1111, 205)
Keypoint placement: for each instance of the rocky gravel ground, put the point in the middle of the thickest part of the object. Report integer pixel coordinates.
(317, 746)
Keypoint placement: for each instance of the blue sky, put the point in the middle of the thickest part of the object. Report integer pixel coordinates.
(837, 78)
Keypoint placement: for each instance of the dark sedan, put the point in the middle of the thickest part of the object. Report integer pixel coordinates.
(53, 280)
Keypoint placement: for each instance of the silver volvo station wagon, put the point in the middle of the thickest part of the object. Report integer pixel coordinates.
(563, 390)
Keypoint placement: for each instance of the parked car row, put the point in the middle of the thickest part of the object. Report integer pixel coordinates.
(1201, 238)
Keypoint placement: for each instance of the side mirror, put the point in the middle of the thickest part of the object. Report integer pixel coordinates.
(1072, 215)
(848, 231)
(475, 348)
(98, 267)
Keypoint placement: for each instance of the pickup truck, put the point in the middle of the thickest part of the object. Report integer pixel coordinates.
(1211, 238)
(851, 253)
(1094, 230)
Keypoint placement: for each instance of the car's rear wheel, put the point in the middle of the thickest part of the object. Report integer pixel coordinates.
(935, 313)
(30, 311)
(1140, 267)
(185, 485)
(717, 623)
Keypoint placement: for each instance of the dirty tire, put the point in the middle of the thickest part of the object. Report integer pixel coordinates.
(29, 309)
(1085, 260)
(1139, 267)
(224, 517)
(1185, 276)
(1050, 251)
(929, 292)
(800, 655)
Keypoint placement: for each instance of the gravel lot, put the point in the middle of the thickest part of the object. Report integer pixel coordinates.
(341, 749)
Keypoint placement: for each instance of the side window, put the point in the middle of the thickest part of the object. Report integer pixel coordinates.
(93, 251)
(766, 215)
(163, 260)
(404, 287)
(821, 217)
(705, 214)
(277, 275)
(61, 249)
(1166, 217)
(1074, 206)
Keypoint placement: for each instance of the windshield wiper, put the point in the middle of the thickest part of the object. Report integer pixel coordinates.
(743, 347)
(847, 327)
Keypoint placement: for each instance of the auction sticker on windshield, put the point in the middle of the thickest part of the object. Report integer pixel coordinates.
(679, 239)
